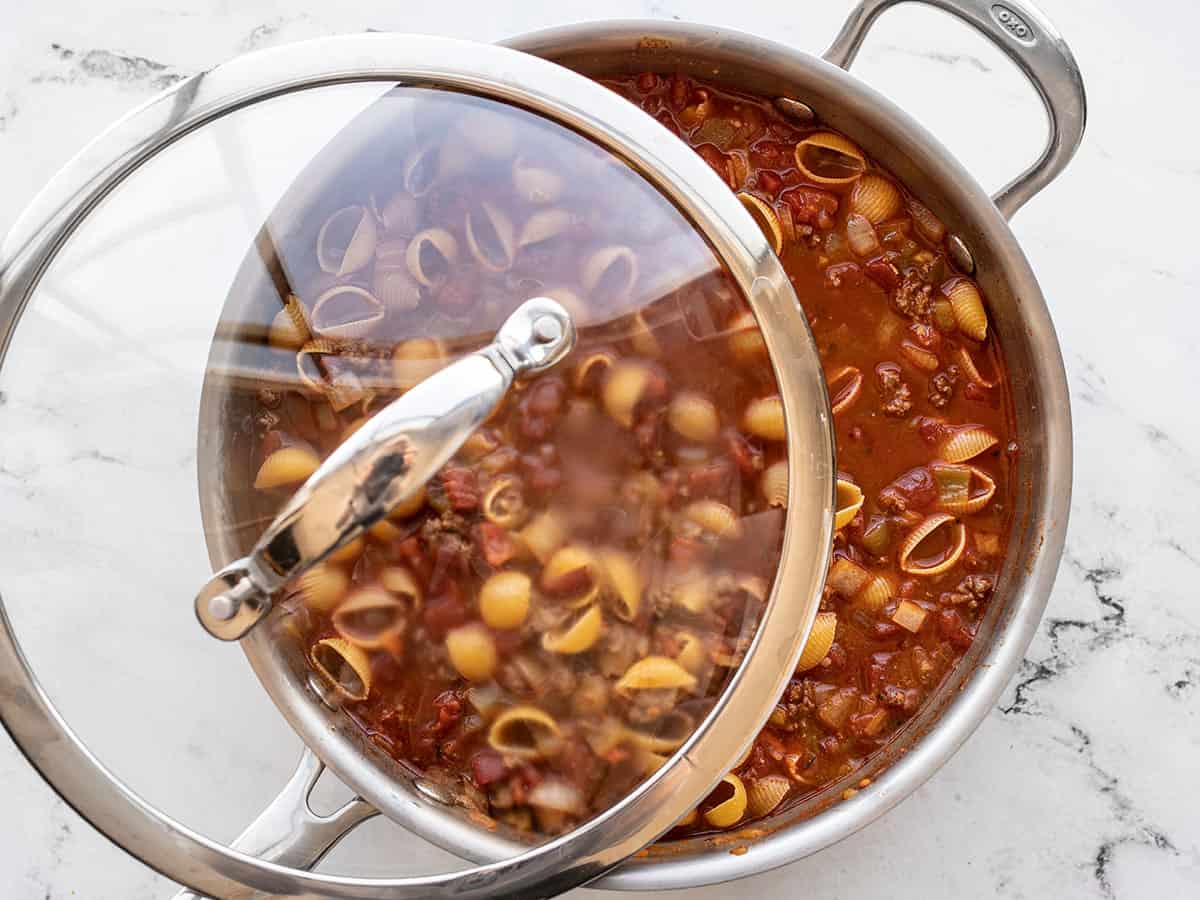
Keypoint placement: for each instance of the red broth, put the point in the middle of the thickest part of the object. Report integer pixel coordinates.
(554, 615)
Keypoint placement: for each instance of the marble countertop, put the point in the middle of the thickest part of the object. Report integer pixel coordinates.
(1083, 781)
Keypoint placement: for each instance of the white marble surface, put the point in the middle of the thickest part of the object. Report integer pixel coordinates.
(1084, 780)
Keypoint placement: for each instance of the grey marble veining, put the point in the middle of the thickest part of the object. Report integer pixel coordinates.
(1085, 779)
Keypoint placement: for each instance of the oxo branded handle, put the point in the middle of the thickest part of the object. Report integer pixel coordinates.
(382, 464)
(1026, 37)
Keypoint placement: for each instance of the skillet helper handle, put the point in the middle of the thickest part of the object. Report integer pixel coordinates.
(1025, 36)
(288, 832)
(383, 464)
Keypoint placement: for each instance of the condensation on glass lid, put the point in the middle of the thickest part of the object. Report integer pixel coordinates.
(566, 598)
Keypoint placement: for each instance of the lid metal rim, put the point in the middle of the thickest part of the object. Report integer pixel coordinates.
(186, 856)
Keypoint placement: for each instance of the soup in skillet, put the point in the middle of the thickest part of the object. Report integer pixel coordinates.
(552, 616)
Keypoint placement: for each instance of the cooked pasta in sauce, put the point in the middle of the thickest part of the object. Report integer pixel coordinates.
(552, 616)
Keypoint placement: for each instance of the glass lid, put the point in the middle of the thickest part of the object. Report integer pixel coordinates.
(493, 409)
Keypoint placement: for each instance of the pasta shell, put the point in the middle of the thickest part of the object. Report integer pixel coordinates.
(774, 484)
(820, 640)
(961, 499)
(610, 273)
(409, 506)
(845, 384)
(395, 287)
(346, 312)
(625, 582)
(400, 216)
(765, 794)
(385, 532)
(323, 586)
(349, 552)
(400, 582)
(670, 732)
(944, 560)
(967, 303)
(503, 502)
(967, 443)
(694, 416)
(695, 594)
(643, 339)
(729, 812)
(431, 256)
(491, 237)
(291, 328)
(574, 573)
(472, 652)
(764, 418)
(504, 600)
(544, 225)
(342, 388)
(876, 594)
(415, 360)
(420, 172)
(344, 666)
(694, 654)
(829, 159)
(849, 502)
(287, 466)
(654, 673)
(624, 389)
(525, 732)
(544, 534)
(370, 618)
(715, 518)
(314, 379)
(876, 198)
(577, 636)
(346, 242)
(592, 371)
(536, 184)
(746, 341)
(765, 218)
(969, 366)
(391, 251)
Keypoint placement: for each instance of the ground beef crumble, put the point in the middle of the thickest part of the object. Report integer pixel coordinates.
(895, 393)
(941, 388)
(972, 589)
(914, 297)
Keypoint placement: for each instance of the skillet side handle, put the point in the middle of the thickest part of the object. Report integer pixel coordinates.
(1026, 37)
(288, 832)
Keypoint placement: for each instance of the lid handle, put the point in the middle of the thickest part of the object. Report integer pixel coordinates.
(383, 464)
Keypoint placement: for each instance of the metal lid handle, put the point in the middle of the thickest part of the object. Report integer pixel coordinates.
(382, 464)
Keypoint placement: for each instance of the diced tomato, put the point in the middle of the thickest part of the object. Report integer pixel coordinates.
(444, 612)
(952, 627)
(487, 767)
